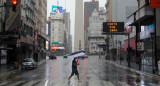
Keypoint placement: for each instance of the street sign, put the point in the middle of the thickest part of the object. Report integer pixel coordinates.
(113, 26)
(140, 46)
(55, 42)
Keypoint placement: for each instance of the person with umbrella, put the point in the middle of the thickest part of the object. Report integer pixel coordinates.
(74, 68)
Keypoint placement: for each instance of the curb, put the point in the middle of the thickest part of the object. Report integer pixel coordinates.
(134, 70)
(8, 75)
(5, 76)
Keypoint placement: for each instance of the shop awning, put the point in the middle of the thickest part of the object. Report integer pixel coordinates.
(146, 16)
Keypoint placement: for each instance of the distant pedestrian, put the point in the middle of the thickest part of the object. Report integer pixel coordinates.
(74, 68)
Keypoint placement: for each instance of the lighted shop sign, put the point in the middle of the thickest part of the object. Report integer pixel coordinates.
(113, 26)
(47, 45)
(58, 48)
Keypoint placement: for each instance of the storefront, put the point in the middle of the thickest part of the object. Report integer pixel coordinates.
(148, 43)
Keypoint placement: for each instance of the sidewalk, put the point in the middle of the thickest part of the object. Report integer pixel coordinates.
(134, 65)
(8, 71)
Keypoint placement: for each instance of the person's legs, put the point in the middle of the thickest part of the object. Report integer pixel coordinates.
(70, 77)
(78, 76)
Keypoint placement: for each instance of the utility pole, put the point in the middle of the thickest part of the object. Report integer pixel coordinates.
(155, 40)
(129, 64)
(137, 37)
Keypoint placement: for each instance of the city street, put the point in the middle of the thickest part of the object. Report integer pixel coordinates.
(93, 72)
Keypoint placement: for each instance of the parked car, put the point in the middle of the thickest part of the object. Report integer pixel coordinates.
(52, 57)
(29, 63)
(65, 56)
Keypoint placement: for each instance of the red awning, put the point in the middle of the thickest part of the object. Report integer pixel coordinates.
(132, 44)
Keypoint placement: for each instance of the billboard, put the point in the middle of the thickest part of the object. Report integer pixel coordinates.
(113, 26)
(155, 3)
(57, 9)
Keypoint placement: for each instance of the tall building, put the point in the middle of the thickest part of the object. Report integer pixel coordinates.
(89, 7)
(67, 23)
(58, 33)
(94, 30)
(40, 36)
(57, 27)
(88, 10)
(79, 27)
(22, 26)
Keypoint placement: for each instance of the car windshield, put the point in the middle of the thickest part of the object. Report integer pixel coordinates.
(27, 60)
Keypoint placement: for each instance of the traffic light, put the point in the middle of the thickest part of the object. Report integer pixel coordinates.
(14, 4)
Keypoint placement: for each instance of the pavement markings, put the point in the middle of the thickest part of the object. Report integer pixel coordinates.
(16, 83)
(108, 83)
(124, 84)
(31, 83)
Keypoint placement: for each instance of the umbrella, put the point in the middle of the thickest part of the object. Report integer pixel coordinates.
(76, 54)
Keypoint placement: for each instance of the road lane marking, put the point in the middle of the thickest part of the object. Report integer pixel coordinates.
(31, 83)
(16, 83)
(108, 83)
(124, 84)
(46, 84)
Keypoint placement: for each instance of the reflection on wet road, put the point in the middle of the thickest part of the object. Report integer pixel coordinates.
(93, 72)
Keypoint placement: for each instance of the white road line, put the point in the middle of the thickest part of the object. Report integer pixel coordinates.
(31, 83)
(108, 83)
(16, 83)
(46, 83)
(124, 84)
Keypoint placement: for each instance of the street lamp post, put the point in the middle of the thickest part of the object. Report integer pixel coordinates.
(129, 65)
(152, 36)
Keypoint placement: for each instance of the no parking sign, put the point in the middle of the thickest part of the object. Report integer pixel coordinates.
(140, 46)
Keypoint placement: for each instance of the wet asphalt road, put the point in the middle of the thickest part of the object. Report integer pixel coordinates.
(93, 72)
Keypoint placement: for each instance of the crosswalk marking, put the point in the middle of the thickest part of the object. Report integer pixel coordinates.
(16, 83)
(108, 83)
(124, 84)
(31, 83)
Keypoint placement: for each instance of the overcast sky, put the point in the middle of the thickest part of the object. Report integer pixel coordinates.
(70, 6)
